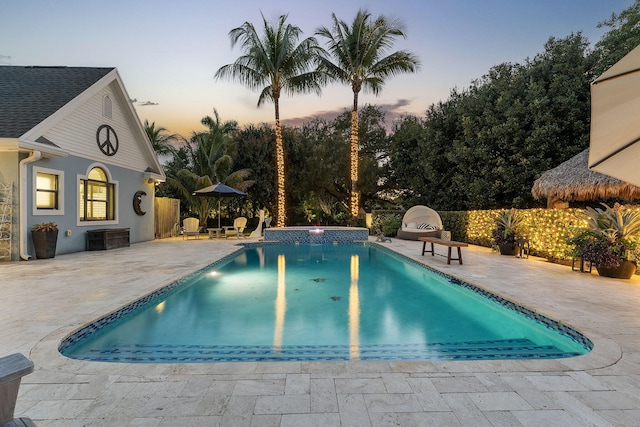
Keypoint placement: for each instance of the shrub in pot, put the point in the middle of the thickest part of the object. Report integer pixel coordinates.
(45, 239)
(609, 241)
(505, 234)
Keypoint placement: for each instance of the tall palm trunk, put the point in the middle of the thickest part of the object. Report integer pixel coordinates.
(280, 200)
(355, 196)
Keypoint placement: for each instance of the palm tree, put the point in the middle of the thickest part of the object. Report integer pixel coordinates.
(209, 156)
(274, 63)
(358, 52)
(211, 151)
(161, 140)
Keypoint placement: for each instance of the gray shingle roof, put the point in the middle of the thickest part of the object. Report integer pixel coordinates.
(28, 95)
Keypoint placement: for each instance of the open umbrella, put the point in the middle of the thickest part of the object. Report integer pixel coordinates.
(219, 190)
(615, 120)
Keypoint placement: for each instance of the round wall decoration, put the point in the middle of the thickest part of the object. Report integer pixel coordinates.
(137, 199)
(107, 140)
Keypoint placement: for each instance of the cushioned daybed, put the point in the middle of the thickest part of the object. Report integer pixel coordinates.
(420, 221)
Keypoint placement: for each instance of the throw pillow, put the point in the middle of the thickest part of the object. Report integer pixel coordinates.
(425, 226)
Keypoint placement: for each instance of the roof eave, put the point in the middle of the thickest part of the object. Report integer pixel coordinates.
(46, 150)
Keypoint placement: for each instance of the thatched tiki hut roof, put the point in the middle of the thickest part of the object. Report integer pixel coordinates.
(573, 181)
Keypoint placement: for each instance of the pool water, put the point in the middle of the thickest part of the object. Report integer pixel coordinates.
(276, 302)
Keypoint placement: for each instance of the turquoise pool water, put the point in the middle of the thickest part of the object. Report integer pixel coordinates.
(276, 302)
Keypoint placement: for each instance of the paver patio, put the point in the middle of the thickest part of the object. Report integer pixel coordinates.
(44, 300)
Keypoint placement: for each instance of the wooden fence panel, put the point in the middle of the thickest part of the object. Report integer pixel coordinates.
(167, 217)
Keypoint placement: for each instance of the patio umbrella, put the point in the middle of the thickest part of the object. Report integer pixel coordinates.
(615, 120)
(219, 190)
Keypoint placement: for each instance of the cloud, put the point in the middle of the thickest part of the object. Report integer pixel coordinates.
(392, 112)
(5, 60)
(142, 104)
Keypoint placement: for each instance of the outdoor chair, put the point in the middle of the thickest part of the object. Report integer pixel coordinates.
(12, 369)
(238, 228)
(191, 228)
(420, 221)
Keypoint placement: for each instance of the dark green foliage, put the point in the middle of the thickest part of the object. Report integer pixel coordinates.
(456, 222)
(485, 146)
(623, 36)
(387, 221)
(316, 166)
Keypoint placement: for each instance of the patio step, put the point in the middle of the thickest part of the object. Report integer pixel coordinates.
(467, 350)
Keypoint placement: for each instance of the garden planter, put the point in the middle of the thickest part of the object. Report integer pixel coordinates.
(625, 270)
(508, 249)
(44, 243)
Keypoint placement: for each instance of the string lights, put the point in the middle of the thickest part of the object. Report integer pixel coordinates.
(355, 195)
(281, 200)
(546, 229)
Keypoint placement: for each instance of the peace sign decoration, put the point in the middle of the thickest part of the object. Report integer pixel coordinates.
(107, 140)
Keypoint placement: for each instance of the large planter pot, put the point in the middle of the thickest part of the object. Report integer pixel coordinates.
(625, 270)
(44, 243)
(508, 249)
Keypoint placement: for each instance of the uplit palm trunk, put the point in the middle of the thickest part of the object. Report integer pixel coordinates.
(280, 197)
(355, 196)
(354, 151)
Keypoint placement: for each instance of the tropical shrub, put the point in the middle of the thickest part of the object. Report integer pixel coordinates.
(610, 236)
(508, 225)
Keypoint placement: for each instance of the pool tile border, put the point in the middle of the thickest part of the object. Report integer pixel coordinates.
(546, 321)
(152, 297)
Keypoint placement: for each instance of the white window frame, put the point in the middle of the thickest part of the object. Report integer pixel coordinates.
(39, 211)
(116, 190)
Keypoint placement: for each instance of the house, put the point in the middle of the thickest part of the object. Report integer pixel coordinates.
(72, 152)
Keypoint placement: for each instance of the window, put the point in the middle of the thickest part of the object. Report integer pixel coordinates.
(106, 106)
(48, 191)
(97, 196)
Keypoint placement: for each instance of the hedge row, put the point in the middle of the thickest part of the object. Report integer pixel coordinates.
(546, 229)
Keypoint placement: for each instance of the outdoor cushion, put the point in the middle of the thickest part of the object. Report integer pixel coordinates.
(425, 226)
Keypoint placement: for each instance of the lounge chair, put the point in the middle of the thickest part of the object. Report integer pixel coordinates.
(238, 228)
(420, 221)
(191, 228)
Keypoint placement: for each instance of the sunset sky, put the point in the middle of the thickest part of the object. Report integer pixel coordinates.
(168, 51)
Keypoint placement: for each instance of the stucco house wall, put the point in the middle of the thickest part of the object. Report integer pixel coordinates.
(63, 122)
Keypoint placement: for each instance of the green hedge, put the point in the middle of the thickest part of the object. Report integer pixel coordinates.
(546, 229)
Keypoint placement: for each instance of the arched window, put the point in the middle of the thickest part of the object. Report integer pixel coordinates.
(97, 200)
(106, 107)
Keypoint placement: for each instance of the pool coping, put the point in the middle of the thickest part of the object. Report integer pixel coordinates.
(47, 299)
(604, 351)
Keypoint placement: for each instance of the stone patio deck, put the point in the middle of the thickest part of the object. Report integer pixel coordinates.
(44, 300)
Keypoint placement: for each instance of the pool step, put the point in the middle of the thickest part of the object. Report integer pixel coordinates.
(467, 350)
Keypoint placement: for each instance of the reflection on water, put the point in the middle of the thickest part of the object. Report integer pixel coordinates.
(281, 304)
(354, 309)
(356, 301)
(160, 307)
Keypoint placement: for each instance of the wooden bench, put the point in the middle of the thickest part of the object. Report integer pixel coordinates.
(449, 243)
(12, 369)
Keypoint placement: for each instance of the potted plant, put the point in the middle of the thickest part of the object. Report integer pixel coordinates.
(505, 234)
(45, 239)
(609, 241)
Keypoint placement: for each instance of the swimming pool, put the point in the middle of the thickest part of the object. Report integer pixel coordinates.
(273, 302)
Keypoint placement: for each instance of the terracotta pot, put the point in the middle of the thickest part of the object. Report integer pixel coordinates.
(44, 243)
(625, 270)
